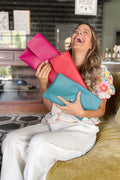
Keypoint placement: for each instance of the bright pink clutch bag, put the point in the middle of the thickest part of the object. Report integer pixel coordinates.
(64, 64)
(38, 50)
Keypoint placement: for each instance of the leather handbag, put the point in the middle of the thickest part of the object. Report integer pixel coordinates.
(38, 50)
(68, 89)
(64, 64)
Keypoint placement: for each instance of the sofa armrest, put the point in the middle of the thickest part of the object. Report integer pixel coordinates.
(117, 117)
(113, 103)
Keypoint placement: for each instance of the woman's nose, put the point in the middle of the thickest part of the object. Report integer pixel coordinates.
(79, 32)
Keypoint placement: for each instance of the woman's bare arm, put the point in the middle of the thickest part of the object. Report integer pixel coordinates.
(76, 108)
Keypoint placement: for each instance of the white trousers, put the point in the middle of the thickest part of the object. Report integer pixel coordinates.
(30, 152)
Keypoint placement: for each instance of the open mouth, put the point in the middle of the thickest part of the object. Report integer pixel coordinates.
(79, 39)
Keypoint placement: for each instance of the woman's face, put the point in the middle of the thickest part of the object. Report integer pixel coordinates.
(82, 38)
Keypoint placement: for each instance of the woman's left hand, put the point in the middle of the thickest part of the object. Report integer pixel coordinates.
(75, 108)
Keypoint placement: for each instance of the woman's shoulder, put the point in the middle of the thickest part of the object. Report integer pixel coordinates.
(105, 87)
(104, 68)
(106, 75)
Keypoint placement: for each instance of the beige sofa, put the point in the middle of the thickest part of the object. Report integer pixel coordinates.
(103, 161)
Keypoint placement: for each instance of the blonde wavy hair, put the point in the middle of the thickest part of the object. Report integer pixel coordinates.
(90, 70)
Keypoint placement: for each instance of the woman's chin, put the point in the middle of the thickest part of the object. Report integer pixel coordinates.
(76, 48)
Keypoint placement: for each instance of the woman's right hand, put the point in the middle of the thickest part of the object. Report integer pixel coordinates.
(42, 73)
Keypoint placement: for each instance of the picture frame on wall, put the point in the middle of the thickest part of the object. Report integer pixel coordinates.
(4, 21)
(22, 21)
(86, 7)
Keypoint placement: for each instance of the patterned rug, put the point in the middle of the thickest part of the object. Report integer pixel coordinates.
(9, 123)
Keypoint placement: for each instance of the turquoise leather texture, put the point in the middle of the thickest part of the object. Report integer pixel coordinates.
(68, 89)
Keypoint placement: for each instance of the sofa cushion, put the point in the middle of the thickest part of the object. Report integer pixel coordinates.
(117, 117)
(102, 162)
(114, 102)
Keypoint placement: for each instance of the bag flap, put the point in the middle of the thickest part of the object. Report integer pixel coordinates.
(42, 48)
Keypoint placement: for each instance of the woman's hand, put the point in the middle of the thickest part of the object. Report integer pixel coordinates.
(75, 108)
(42, 73)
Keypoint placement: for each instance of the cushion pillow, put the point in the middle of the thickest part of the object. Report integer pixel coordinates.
(117, 117)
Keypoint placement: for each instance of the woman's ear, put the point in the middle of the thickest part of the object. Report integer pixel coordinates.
(90, 47)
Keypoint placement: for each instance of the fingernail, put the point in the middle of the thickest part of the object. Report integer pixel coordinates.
(46, 61)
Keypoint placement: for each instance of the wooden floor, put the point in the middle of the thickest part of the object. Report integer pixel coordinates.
(22, 107)
(20, 100)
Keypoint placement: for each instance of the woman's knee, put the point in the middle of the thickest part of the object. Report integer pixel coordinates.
(10, 140)
(38, 141)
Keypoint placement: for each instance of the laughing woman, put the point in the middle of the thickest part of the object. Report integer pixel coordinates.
(30, 152)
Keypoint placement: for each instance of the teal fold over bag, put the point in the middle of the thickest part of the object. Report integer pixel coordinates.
(68, 89)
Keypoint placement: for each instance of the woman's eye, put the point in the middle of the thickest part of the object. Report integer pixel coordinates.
(75, 32)
(85, 32)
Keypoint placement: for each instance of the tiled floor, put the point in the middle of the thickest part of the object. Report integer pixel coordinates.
(9, 123)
